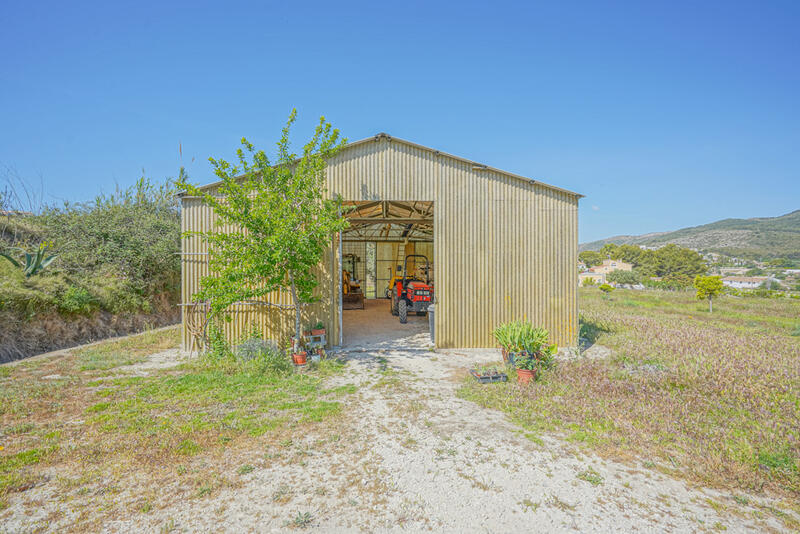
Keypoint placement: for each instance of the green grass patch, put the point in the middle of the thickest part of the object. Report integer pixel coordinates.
(128, 351)
(207, 402)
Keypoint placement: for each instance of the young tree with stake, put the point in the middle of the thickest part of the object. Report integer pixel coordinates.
(282, 217)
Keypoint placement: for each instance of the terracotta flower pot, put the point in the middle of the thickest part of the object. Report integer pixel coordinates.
(299, 358)
(318, 332)
(524, 376)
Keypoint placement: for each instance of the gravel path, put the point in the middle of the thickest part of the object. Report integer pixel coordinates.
(409, 455)
(414, 457)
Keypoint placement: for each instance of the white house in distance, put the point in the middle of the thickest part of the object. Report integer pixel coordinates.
(744, 282)
(597, 274)
(611, 265)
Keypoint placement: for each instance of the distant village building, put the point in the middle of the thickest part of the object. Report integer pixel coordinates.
(732, 271)
(597, 274)
(744, 282)
(611, 265)
(588, 278)
(15, 213)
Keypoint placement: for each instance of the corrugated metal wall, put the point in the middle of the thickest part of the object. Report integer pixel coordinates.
(505, 248)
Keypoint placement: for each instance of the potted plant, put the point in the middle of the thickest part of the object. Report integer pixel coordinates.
(503, 335)
(537, 353)
(527, 368)
(525, 347)
(299, 358)
(299, 354)
(318, 329)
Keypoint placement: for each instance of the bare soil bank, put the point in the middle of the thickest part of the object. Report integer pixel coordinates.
(48, 332)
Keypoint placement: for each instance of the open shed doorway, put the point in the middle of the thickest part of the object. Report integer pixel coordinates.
(373, 249)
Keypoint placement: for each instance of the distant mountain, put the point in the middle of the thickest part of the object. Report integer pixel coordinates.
(762, 237)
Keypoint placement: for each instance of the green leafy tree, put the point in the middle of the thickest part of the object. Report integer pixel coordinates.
(779, 262)
(629, 254)
(591, 257)
(606, 289)
(624, 277)
(673, 259)
(610, 250)
(708, 287)
(282, 217)
(771, 283)
(678, 280)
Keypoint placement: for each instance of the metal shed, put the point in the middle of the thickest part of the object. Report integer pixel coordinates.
(504, 246)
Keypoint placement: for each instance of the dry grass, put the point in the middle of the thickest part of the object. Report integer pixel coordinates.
(115, 439)
(715, 398)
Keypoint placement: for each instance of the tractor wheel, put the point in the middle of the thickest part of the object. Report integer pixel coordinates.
(394, 304)
(402, 308)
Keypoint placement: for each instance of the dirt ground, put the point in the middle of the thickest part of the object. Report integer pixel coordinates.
(374, 328)
(411, 456)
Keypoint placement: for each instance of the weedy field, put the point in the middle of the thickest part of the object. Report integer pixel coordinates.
(714, 398)
(101, 433)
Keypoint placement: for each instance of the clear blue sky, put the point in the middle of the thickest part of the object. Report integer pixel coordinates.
(662, 115)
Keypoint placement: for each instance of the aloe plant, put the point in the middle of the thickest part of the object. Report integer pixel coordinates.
(35, 262)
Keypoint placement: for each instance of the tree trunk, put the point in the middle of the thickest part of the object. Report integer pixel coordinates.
(710, 305)
(296, 314)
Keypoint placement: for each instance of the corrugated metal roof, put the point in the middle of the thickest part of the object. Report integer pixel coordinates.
(475, 165)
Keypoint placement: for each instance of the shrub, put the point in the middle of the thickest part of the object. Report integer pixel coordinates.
(606, 289)
(134, 233)
(76, 300)
(252, 354)
(264, 357)
(253, 348)
(272, 361)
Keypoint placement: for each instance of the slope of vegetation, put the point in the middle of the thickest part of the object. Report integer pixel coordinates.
(116, 270)
(757, 238)
(712, 397)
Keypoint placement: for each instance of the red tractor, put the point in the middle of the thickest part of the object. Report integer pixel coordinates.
(411, 293)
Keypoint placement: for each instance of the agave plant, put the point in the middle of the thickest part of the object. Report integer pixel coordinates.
(35, 262)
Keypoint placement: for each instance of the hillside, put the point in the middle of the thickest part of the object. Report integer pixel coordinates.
(115, 270)
(762, 237)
